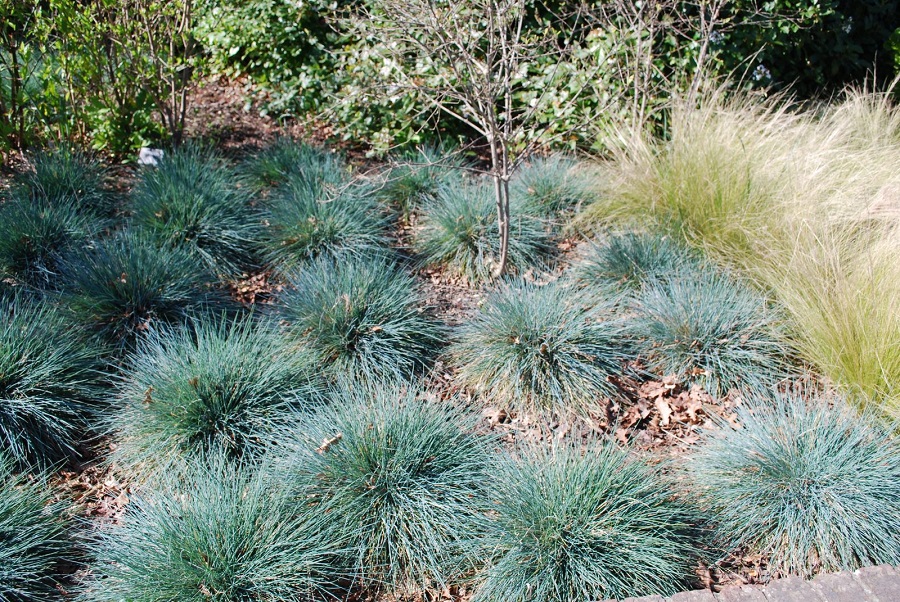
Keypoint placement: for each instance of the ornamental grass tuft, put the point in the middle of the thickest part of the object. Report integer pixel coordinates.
(552, 184)
(708, 328)
(33, 536)
(574, 525)
(332, 216)
(216, 386)
(405, 479)
(286, 159)
(220, 532)
(417, 176)
(630, 259)
(539, 348)
(125, 286)
(459, 233)
(195, 201)
(37, 235)
(47, 384)
(804, 480)
(66, 177)
(362, 318)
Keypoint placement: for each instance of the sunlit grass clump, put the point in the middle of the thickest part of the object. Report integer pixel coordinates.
(574, 525)
(47, 383)
(33, 536)
(813, 488)
(125, 286)
(333, 216)
(540, 347)
(195, 201)
(628, 260)
(66, 176)
(459, 233)
(406, 480)
(37, 235)
(706, 327)
(361, 317)
(286, 158)
(220, 533)
(416, 176)
(552, 184)
(216, 386)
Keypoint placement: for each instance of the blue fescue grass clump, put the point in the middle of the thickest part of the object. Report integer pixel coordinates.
(361, 318)
(195, 201)
(405, 479)
(335, 216)
(540, 348)
(459, 232)
(629, 259)
(33, 536)
(65, 176)
(125, 286)
(552, 184)
(813, 488)
(222, 386)
(706, 327)
(218, 532)
(286, 158)
(47, 383)
(36, 235)
(574, 525)
(416, 176)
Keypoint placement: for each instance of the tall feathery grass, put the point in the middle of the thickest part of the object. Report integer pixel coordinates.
(361, 318)
(539, 347)
(215, 531)
(216, 386)
(813, 488)
(805, 202)
(48, 384)
(572, 525)
(34, 536)
(405, 479)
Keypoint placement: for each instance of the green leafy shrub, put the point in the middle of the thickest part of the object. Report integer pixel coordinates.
(813, 488)
(405, 479)
(573, 526)
(631, 259)
(552, 184)
(47, 383)
(36, 236)
(459, 232)
(704, 326)
(64, 176)
(539, 347)
(286, 158)
(221, 387)
(124, 286)
(362, 318)
(420, 173)
(219, 533)
(194, 200)
(33, 536)
(325, 214)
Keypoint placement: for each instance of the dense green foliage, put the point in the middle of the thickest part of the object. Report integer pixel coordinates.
(572, 525)
(48, 383)
(195, 201)
(805, 481)
(219, 533)
(125, 286)
(405, 479)
(33, 536)
(538, 347)
(459, 233)
(704, 326)
(361, 318)
(211, 387)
